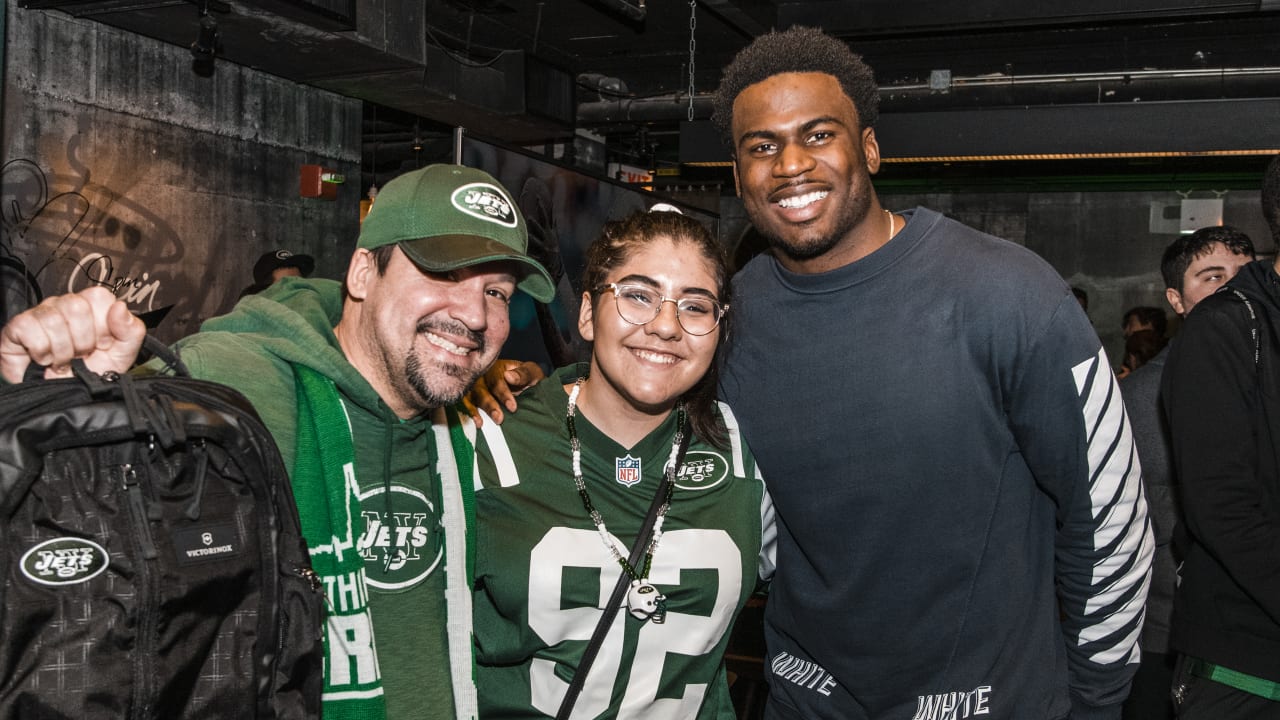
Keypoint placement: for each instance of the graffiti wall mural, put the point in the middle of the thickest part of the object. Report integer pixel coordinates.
(63, 233)
(167, 218)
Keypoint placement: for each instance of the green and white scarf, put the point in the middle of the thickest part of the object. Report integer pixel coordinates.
(327, 495)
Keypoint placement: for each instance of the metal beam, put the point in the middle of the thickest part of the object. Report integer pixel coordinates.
(1143, 128)
(869, 17)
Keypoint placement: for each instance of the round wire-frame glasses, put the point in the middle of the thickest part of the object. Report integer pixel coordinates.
(640, 305)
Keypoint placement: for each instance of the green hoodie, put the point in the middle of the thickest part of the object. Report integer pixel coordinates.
(409, 568)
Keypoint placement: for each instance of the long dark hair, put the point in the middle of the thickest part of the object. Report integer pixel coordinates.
(618, 240)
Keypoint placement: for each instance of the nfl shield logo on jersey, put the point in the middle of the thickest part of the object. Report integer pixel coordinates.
(628, 470)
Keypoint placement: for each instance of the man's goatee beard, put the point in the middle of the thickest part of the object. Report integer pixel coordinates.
(439, 397)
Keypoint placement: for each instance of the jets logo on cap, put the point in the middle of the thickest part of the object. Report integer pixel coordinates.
(486, 202)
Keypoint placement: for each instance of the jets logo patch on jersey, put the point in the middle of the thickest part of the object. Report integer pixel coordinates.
(403, 547)
(627, 470)
(702, 470)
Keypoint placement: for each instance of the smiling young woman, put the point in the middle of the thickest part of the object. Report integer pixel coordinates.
(567, 480)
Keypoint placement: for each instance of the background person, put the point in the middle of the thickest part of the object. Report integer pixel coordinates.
(930, 534)
(1082, 297)
(1193, 267)
(1220, 391)
(1140, 348)
(656, 288)
(275, 265)
(1144, 317)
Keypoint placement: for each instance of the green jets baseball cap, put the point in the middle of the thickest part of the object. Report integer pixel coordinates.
(446, 217)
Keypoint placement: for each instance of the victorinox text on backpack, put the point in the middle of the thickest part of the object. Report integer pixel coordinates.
(151, 560)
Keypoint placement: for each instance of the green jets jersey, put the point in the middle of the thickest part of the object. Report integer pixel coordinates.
(543, 572)
(403, 549)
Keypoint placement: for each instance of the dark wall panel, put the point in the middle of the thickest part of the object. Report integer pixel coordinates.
(124, 168)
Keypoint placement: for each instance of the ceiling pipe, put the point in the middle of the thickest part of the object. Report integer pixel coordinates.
(646, 109)
(1124, 76)
(675, 106)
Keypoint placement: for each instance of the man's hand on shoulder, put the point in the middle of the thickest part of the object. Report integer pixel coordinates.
(91, 325)
(498, 388)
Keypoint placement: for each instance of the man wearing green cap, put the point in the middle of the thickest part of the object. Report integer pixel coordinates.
(355, 382)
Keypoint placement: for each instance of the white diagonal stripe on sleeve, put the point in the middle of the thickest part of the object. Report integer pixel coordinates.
(767, 562)
(501, 454)
(1117, 503)
(735, 439)
(1137, 576)
(1105, 427)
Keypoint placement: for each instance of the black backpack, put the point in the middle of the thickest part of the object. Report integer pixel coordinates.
(151, 556)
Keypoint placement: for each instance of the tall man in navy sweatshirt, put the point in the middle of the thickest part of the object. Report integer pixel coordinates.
(962, 530)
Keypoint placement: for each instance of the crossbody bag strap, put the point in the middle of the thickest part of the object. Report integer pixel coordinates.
(610, 609)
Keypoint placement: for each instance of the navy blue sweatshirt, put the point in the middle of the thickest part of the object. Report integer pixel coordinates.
(961, 525)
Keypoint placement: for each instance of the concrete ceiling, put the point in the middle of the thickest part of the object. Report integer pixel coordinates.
(530, 72)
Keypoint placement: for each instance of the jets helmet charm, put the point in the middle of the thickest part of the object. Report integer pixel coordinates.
(644, 601)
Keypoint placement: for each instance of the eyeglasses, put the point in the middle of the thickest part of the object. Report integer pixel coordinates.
(639, 305)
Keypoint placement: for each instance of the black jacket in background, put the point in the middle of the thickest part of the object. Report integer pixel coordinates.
(1222, 394)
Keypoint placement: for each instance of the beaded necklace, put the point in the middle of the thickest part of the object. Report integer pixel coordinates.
(643, 599)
